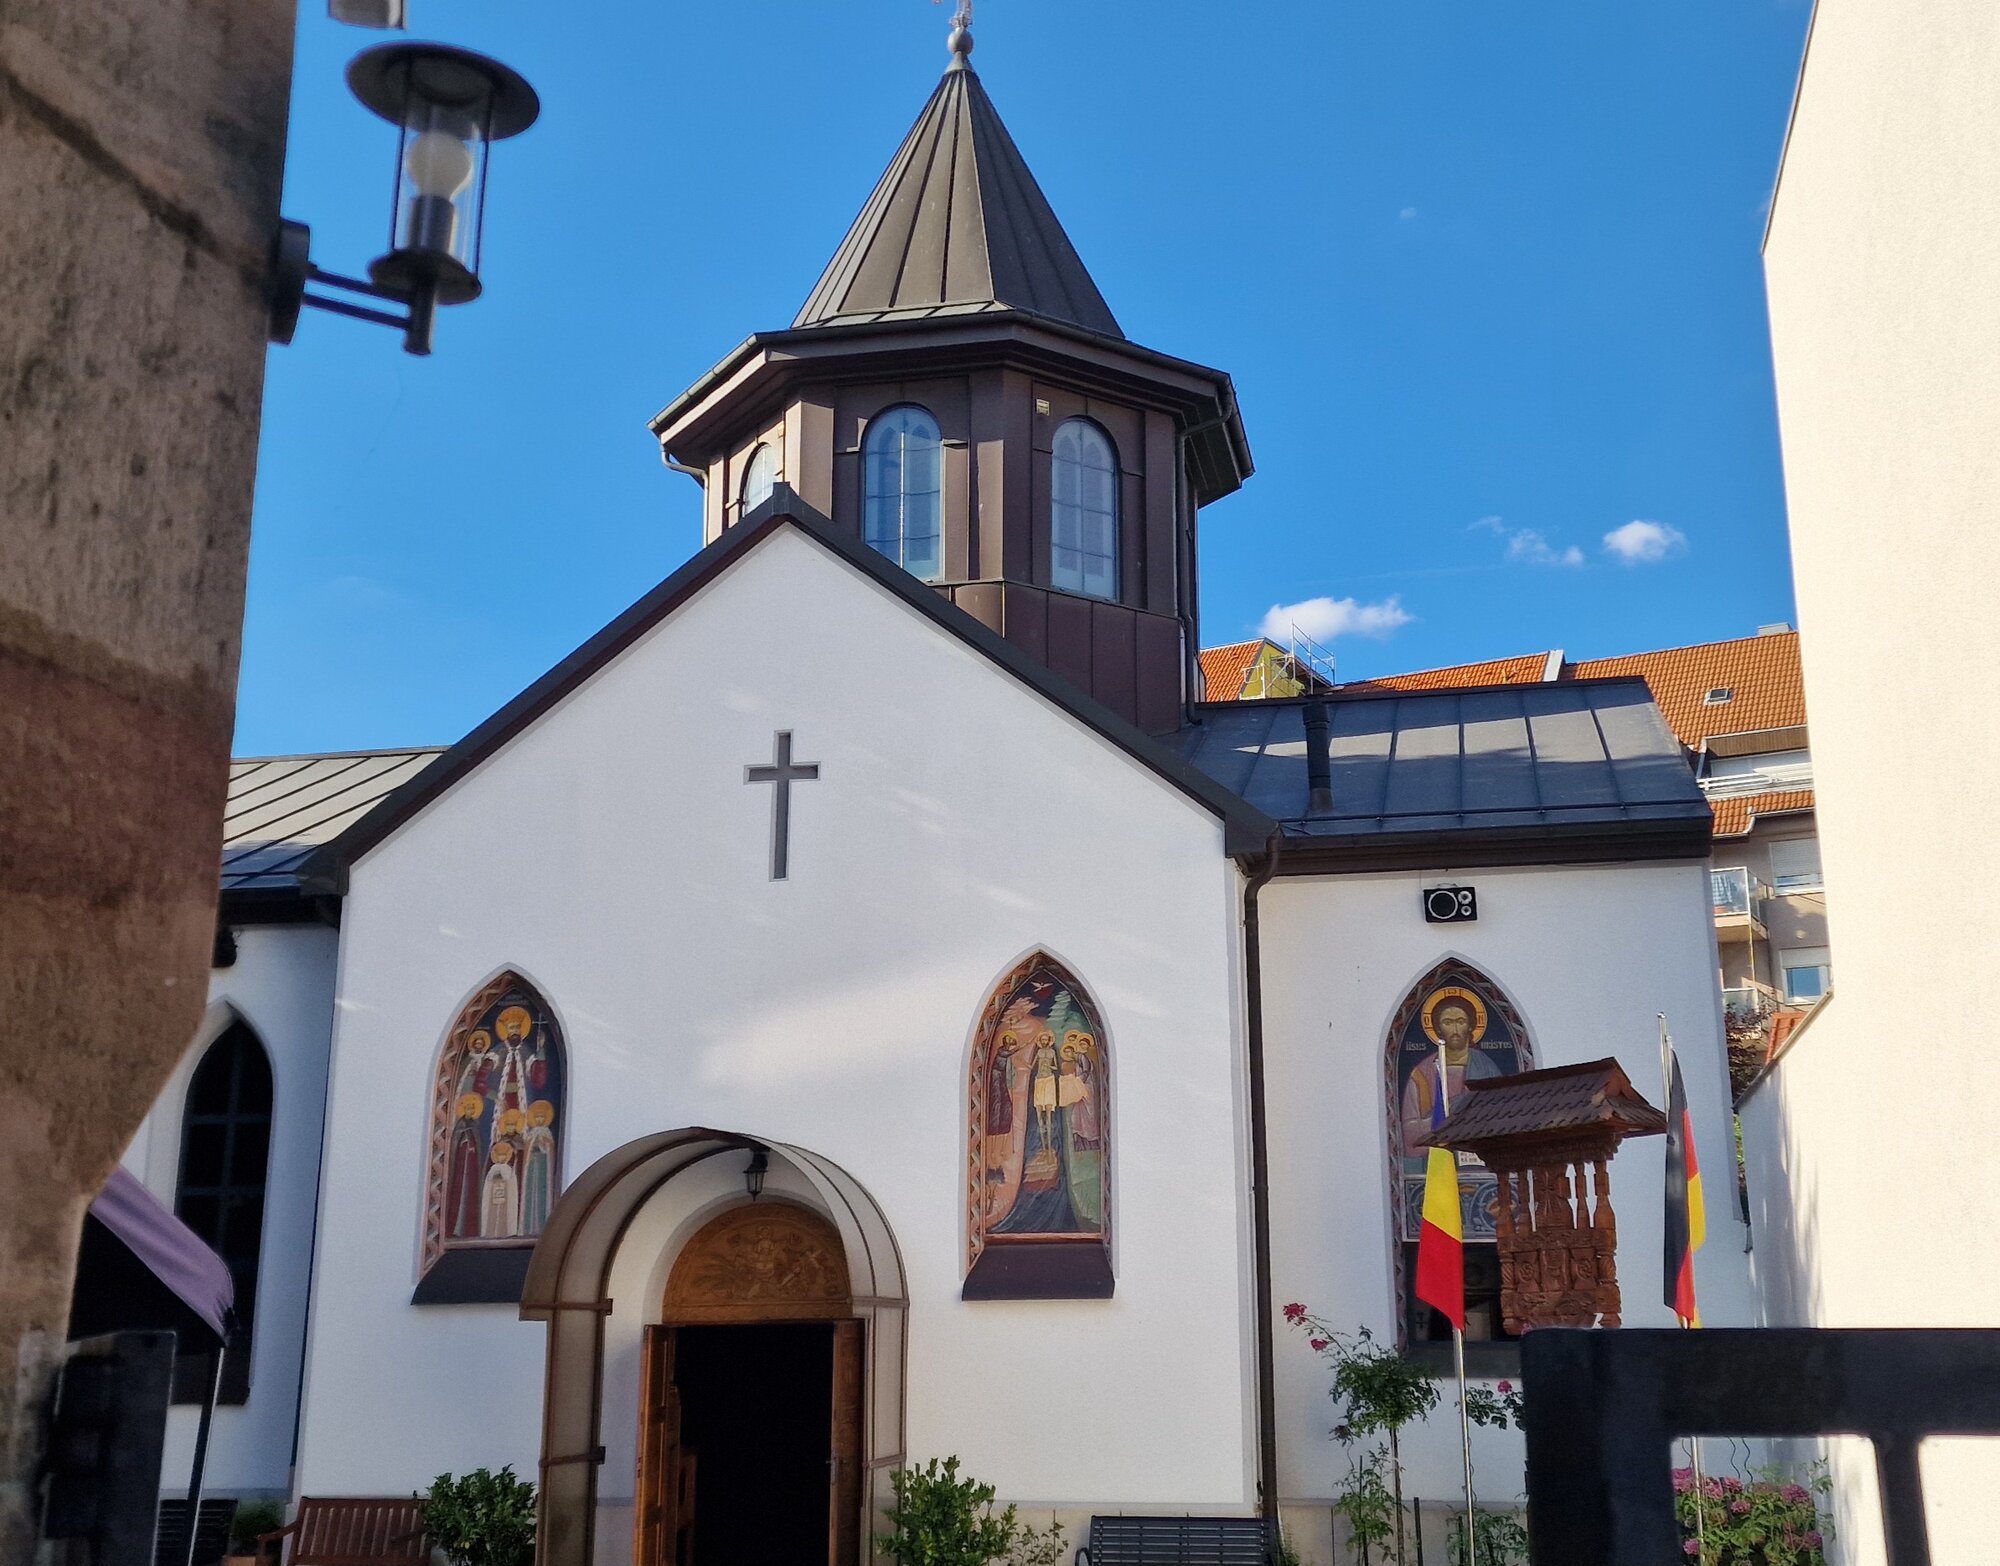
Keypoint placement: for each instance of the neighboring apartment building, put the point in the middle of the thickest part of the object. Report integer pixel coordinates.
(1260, 669)
(1739, 709)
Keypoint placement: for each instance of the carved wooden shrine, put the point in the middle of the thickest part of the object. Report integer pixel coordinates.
(1550, 1136)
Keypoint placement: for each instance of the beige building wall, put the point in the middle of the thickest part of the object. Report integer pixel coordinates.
(1883, 265)
(141, 154)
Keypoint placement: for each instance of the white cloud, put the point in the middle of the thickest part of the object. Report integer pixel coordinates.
(1529, 545)
(1325, 618)
(1533, 548)
(1642, 543)
(1407, 213)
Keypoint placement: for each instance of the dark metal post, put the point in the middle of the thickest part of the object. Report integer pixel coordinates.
(200, 1466)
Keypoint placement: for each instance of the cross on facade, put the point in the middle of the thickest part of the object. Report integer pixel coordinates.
(782, 773)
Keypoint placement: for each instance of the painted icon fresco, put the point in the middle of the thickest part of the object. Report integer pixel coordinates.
(1039, 1130)
(497, 1122)
(1457, 1008)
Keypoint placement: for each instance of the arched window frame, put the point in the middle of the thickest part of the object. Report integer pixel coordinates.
(1076, 1265)
(1085, 536)
(236, 1178)
(760, 477)
(509, 987)
(904, 518)
(1452, 972)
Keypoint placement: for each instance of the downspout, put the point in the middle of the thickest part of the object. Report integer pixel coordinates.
(1260, 1203)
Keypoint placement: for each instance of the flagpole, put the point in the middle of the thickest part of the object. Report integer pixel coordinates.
(1694, 1441)
(1458, 1343)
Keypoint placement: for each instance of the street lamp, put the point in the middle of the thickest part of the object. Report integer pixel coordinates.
(448, 106)
(753, 1173)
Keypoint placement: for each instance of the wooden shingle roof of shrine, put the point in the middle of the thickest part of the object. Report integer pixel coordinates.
(1594, 1095)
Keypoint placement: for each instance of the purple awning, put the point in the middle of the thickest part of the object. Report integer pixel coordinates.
(170, 1250)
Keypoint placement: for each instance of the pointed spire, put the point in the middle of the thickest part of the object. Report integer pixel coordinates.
(957, 224)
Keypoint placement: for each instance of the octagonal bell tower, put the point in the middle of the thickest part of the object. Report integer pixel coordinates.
(956, 393)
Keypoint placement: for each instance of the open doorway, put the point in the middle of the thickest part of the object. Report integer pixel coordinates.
(751, 1444)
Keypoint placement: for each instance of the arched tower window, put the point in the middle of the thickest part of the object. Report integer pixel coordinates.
(760, 477)
(902, 506)
(225, 1158)
(1038, 1151)
(497, 1123)
(1083, 511)
(1459, 1012)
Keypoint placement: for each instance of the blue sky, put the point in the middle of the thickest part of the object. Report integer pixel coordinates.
(1486, 277)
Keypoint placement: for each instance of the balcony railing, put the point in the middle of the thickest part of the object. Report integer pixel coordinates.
(1781, 778)
(1750, 1000)
(1736, 891)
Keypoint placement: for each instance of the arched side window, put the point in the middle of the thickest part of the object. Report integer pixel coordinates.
(1038, 1149)
(225, 1160)
(760, 477)
(902, 503)
(1456, 1011)
(497, 1129)
(1083, 511)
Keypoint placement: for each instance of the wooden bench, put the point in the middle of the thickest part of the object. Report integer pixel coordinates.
(351, 1530)
(1175, 1541)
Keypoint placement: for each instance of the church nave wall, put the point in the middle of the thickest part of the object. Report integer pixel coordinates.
(281, 987)
(1578, 961)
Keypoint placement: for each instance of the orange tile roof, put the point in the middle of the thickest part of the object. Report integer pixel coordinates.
(1738, 814)
(1224, 669)
(1763, 671)
(1525, 670)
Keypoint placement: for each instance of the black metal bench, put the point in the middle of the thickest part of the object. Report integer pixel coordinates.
(1175, 1541)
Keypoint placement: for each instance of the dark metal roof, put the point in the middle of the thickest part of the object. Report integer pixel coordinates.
(1518, 762)
(281, 808)
(956, 226)
(1592, 1095)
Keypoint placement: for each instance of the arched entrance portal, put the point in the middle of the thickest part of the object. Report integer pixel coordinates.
(847, 1283)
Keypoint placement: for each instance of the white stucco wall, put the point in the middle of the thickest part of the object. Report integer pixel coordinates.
(1590, 955)
(281, 984)
(615, 856)
(1883, 263)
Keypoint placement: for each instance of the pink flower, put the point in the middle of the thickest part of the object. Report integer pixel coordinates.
(1692, 1547)
(1812, 1539)
(1740, 1507)
(1505, 1387)
(1318, 1343)
(1295, 1311)
(1797, 1494)
(1683, 1480)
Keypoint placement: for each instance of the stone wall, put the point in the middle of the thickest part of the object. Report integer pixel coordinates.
(141, 153)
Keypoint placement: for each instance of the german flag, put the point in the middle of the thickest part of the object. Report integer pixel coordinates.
(1687, 1218)
(1441, 1240)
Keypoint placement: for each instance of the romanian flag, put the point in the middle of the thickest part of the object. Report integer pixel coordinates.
(1441, 1240)
(1687, 1218)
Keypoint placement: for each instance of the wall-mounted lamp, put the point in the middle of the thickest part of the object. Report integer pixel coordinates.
(754, 1171)
(449, 106)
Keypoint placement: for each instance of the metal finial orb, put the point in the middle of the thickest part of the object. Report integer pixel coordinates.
(961, 42)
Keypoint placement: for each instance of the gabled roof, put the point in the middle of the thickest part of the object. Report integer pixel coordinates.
(957, 224)
(1736, 814)
(1245, 829)
(281, 808)
(1507, 773)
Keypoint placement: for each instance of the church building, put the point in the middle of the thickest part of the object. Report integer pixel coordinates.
(710, 1089)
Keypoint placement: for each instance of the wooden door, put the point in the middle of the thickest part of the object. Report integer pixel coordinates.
(844, 1470)
(665, 1488)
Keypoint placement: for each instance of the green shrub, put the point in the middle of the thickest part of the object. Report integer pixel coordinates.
(482, 1518)
(943, 1520)
(253, 1519)
(1501, 1537)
